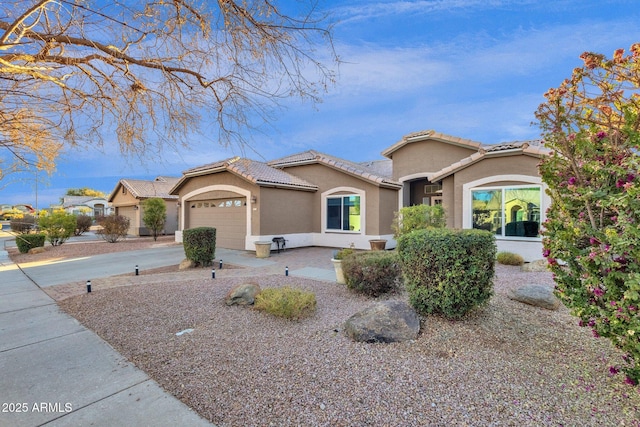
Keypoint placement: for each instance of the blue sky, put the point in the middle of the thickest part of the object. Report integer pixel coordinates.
(476, 69)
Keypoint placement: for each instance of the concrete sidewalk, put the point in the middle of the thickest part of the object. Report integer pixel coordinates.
(55, 372)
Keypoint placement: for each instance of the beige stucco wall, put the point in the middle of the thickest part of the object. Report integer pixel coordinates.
(426, 156)
(496, 166)
(283, 211)
(377, 199)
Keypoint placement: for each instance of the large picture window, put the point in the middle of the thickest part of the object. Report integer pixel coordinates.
(507, 211)
(343, 213)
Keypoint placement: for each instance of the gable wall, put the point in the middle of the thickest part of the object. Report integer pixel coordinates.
(223, 178)
(426, 156)
(327, 178)
(123, 199)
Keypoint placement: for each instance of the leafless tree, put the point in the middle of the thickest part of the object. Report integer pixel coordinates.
(149, 73)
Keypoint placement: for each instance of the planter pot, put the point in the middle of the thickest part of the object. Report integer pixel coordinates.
(263, 249)
(337, 265)
(378, 244)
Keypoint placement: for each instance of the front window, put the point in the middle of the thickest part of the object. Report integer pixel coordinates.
(507, 211)
(343, 213)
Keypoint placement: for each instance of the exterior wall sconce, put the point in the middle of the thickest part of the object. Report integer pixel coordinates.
(135, 207)
(254, 199)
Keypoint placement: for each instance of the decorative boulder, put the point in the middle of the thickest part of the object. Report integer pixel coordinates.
(37, 250)
(536, 295)
(244, 294)
(186, 264)
(388, 321)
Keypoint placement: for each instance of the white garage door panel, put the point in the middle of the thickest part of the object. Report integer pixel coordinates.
(227, 216)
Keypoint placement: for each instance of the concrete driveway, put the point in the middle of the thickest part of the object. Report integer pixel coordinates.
(53, 273)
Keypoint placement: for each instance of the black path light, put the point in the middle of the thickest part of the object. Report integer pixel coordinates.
(220, 264)
(88, 286)
(213, 273)
(137, 270)
(286, 271)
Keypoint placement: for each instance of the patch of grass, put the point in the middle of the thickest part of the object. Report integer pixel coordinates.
(509, 258)
(286, 302)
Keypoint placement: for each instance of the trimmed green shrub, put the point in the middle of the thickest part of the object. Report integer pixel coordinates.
(58, 226)
(113, 228)
(83, 224)
(509, 258)
(200, 245)
(286, 302)
(155, 215)
(23, 225)
(28, 241)
(446, 271)
(418, 217)
(343, 253)
(372, 273)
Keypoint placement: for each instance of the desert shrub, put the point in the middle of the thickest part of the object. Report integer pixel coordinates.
(23, 225)
(286, 302)
(372, 273)
(509, 258)
(83, 224)
(155, 215)
(28, 241)
(591, 236)
(200, 245)
(113, 227)
(343, 253)
(58, 226)
(418, 217)
(448, 272)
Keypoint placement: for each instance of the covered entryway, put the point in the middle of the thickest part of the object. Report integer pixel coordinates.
(228, 216)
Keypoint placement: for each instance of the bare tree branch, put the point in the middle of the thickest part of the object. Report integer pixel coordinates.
(73, 71)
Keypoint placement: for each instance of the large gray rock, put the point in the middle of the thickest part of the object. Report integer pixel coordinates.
(536, 295)
(388, 321)
(244, 294)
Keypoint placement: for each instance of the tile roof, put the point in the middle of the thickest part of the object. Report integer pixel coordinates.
(531, 148)
(253, 171)
(142, 189)
(376, 173)
(430, 134)
(69, 201)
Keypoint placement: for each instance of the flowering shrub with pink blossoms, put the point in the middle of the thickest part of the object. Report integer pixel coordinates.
(591, 236)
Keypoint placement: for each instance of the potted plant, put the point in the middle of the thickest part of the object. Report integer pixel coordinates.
(378, 244)
(338, 256)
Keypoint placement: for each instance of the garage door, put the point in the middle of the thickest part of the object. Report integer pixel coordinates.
(227, 216)
(129, 212)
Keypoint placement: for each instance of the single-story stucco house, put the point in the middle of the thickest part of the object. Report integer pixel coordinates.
(314, 199)
(87, 205)
(128, 195)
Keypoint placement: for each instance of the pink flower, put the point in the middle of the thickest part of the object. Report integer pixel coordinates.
(572, 180)
(613, 370)
(595, 333)
(601, 134)
(598, 292)
(630, 381)
(546, 253)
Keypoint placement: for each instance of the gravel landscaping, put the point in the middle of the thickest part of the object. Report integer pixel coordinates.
(506, 364)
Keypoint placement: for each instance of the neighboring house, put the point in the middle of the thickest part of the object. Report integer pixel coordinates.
(87, 205)
(128, 195)
(314, 199)
(310, 199)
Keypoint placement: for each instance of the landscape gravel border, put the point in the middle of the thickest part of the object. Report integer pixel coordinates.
(505, 364)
